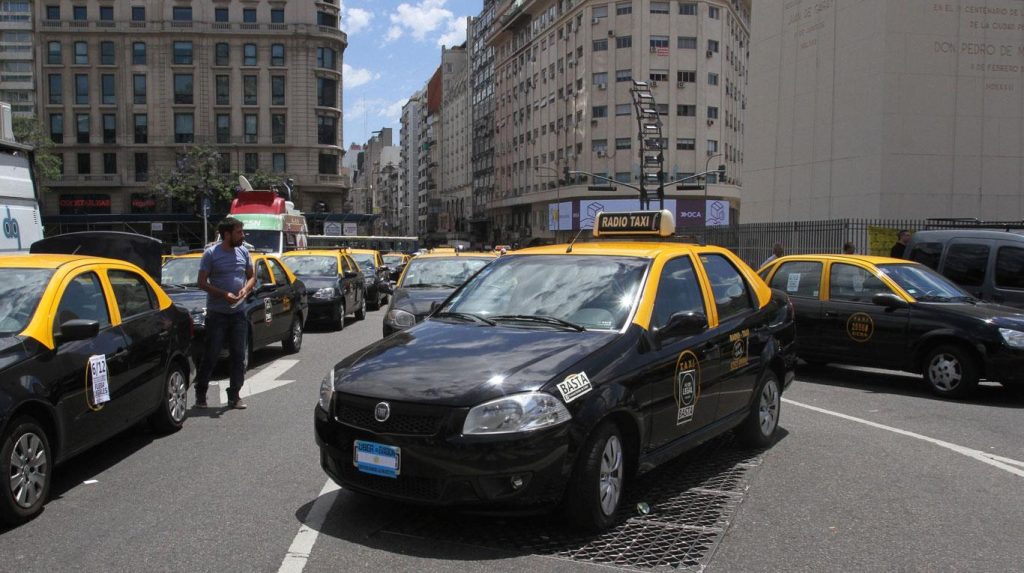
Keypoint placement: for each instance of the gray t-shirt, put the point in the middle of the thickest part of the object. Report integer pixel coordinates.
(226, 271)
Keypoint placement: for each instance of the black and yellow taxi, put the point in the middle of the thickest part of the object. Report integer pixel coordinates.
(427, 280)
(277, 307)
(89, 346)
(395, 262)
(334, 284)
(558, 373)
(897, 314)
(376, 276)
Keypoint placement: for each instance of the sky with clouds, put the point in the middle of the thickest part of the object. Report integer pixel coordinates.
(394, 47)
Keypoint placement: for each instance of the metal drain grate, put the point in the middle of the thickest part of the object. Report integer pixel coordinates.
(692, 501)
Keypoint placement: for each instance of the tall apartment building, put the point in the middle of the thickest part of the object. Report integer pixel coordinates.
(481, 78)
(456, 169)
(17, 83)
(128, 86)
(564, 70)
(886, 108)
(428, 197)
(409, 166)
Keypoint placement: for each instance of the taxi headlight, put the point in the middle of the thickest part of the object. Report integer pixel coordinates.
(516, 413)
(199, 316)
(325, 293)
(400, 318)
(327, 391)
(1012, 338)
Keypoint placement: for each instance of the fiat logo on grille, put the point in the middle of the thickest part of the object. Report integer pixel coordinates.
(382, 412)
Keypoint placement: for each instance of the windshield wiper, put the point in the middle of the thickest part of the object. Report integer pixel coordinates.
(430, 285)
(465, 316)
(541, 318)
(933, 298)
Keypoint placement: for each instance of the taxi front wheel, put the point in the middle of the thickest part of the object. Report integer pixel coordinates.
(758, 429)
(26, 463)
(950, 371)
(169, 415)
(596, 487)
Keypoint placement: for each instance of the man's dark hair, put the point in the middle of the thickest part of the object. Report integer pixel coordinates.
(227, 225)
(901, 231)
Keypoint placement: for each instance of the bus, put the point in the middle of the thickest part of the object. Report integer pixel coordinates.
(378, 243)
(19, 201)
(272, 224)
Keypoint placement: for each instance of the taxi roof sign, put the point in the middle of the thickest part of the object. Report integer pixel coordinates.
(635, 223)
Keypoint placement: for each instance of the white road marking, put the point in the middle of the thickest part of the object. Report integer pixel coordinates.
(261, 381)
(301, 547)
(993, 460)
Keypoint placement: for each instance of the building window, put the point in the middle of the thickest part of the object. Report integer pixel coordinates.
(712, 146)
(220, 14)
(688, 8)
(107, 96)
(138, 13)
(223, 128)
(658, 75)
(252, 162)
(326, 130)
(686, 43)
(325, 19)
(57, 127)
(110, 163)
(82, 128)
(139, 53)
(714, 12)
(223, 89)
(624, 42)
(53, 53)
(325, 58)
(277, 128)
(107, 13)
(81, 89)
(623, 109)
(326, 92)
(599, 111)
(278, 163)
(142, 167)
(686, 110)
(684, 144)
(712, 79)
(277, 54)
(139, 88)
(713, 46)
(277, 15)
(623, 75)
(56, 89)
(248, 15)
(601, 45)
(79, 13)
(251, 122)
(84, 163)
(183, 53)
(599, 145)
(183, 88)
(623, 176)
(222, 54)
(623, 143)
(141, 128)
(249, 55)
(600, 78)
(686, 76)
(327, 164)
(623, 9)
(659, 42)
(250, 87)
(277, 90)
(659, 7)
(181, 13)
(53, 12)
(184, 128)
(599, 11)
(109, 128)
(81, 53)
(712, 112)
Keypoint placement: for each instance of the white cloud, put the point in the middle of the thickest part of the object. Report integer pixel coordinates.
(394, 33)
(356, 20)
(393, 112)
(456, 33)
(421, 19)
(355, 77)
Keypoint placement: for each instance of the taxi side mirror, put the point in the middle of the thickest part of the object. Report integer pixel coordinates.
(889, 300)
(78, 329)
(262, 288)
(683, 324)
(351, 274)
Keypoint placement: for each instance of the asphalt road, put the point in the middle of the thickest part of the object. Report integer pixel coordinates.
(903, 482)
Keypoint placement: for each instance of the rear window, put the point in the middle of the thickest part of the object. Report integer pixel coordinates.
(798, 278)
(928, 254)
(965, 264)
(1010, 267)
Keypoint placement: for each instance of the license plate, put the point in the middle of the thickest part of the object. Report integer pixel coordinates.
(377, 459)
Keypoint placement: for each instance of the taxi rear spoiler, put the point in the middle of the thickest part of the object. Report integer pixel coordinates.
(140, 250)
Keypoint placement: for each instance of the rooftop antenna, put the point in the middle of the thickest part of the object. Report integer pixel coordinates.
(573, 241)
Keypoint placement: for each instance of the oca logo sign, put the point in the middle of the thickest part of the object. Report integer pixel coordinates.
(11, 230)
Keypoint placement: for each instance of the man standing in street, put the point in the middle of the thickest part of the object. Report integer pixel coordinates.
(849, 248)
(777, 252)
(902, 238)
(226, 274)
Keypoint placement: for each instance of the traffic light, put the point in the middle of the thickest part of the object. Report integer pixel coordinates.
(721, 172)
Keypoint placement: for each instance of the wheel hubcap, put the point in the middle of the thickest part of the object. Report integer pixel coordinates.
(28, 470)
(768, 412)
(945, 372)
(177, 391)
(297, 333)
(610, 487)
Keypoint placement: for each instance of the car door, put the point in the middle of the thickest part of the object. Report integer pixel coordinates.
(146, 334)
(284, 300)
(349, 288)
(801, 280)
(966, 262)
(856, 331)
(85, 421)
(684, 377)
(261, 313)
(1008, 275)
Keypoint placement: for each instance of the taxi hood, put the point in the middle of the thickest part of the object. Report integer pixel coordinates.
(317, 282)
(1003, 316)
(192, 299)
(449, 364)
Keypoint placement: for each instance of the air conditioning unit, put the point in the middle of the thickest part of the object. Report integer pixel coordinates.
(710, 53)
(711, 122)
(652, 83)
(602, 86)
(595, 20)
(654, 49)
(680, 84)
(593, 120)
(602, 153)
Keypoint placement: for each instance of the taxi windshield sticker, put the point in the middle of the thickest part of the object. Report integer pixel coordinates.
(686, 389)
(574, 386)
(860, 327)
(793, 283)
(739, 347)
(268, 310)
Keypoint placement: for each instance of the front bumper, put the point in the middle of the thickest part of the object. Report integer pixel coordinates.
(439, 466)
(1005, 365)
(322, 309)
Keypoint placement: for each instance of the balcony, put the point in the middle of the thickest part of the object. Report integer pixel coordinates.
(327, 179)
(101, 180)
(247, 28)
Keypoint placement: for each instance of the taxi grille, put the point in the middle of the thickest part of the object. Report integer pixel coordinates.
(409, 487)
(404, 419)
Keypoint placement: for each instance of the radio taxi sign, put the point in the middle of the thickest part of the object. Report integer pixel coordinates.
(636, 223)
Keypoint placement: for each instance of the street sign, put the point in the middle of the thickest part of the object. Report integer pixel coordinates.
(351, 229)
(332, 228)
(206, 206)
(157, 227)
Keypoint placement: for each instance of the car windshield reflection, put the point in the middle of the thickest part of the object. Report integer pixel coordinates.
(180, 272)
(441, 272)
(924, 284)
(20, 291)
(315, 266)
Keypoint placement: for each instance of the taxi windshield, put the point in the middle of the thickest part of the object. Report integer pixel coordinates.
(364, 260)
(593, 292)
(20, 291)
(392, 259)
(441, 273)
(313, 265)
(180, 272)
(269, 241)
(924, 284)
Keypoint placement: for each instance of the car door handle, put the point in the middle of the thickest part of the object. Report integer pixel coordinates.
(831, 314)
(118, 353)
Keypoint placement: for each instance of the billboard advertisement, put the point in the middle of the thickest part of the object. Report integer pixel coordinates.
(589, 208)
(560, 216)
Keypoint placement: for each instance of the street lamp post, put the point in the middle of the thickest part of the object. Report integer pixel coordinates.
(705, 181)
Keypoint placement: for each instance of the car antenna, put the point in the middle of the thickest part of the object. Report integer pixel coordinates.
(573, 241)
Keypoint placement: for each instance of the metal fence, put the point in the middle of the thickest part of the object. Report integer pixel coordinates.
(753, 241)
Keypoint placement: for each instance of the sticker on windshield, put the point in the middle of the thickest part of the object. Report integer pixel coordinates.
(686, 387)
(793, 283)
(268, 310)
(739, 348)
(574, 386)
(860, 327)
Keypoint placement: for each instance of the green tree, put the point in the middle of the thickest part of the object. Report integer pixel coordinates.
(198, 171)
(30, 131)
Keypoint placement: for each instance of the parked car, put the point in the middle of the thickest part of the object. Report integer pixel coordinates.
(334, 282)
(376, 276)
(988, 264)
(395, 262)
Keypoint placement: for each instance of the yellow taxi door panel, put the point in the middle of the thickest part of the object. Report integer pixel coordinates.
(801, 280)
(683, 392)
(856, 331)
(83, 420)
(146, 335)
(260, 308)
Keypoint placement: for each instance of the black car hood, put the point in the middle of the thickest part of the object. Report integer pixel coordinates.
(14, 349)
(441, 363)
(314, 283)
(1005, 316)
(192, 299)
(418, 300)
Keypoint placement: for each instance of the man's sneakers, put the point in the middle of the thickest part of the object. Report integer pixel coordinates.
(237, 404)
(201, 404)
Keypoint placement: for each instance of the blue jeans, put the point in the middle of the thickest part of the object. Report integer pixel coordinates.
(219, 326)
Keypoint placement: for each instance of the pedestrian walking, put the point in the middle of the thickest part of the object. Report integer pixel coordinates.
(226, 274)
(902, 238)
(777, 252)
(849, 248)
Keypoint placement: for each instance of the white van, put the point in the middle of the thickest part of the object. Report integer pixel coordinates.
(19, 205)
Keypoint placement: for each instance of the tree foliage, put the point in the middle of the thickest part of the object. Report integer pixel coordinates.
(30, 131)
(198, 171)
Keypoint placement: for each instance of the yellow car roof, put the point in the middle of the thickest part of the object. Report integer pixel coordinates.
(870, 259)
(364, 251)
(458, 256)
(313, 252)
(47, 261)
(642, 249)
